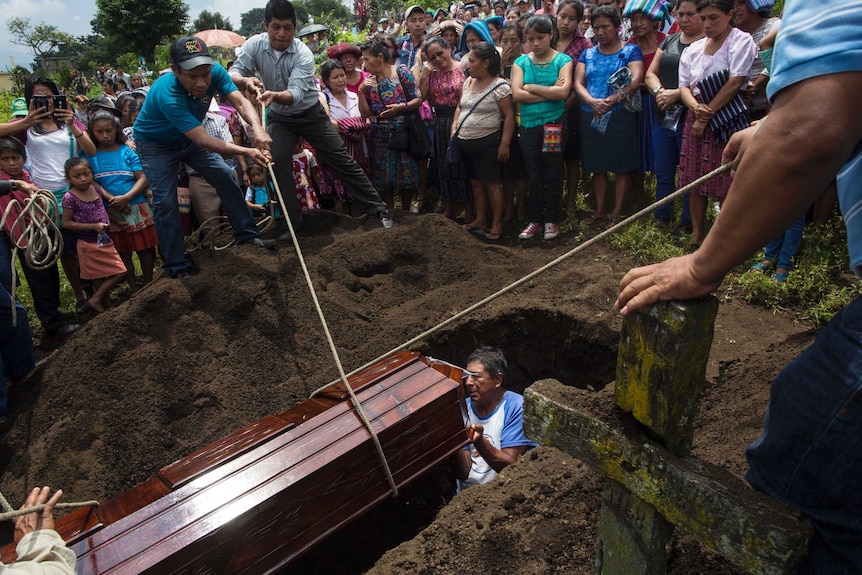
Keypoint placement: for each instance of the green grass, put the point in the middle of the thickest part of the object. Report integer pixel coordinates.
(819, 285)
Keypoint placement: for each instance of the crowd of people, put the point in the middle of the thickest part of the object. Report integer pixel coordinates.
(610, 90)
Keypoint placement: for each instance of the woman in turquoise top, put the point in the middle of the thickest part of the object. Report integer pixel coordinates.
(541, 81)
(609, 133)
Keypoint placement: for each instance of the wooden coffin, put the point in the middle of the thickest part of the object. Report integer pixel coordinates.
(259, 498)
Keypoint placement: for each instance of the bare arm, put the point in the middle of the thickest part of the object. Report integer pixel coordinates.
(727, 92)
(651, 77)
(518, 93)
(261, 139)
(508, 111)
(812, 131)
(73, 226)
(561, 88)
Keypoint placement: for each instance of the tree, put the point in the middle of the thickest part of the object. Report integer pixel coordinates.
(131, 25)
(336, 9)
(41, 39)
(251, 22)
(207, 20)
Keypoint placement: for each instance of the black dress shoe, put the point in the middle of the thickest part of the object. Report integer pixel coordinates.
(266, 244)
(65, 329)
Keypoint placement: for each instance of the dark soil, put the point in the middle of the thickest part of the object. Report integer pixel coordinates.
(184, 363)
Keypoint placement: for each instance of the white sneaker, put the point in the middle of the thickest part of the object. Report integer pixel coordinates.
(551, 231)
(531, 230)
(385, 219)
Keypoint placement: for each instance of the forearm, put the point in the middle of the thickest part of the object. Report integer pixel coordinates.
(582, 93)
(12, 128)
(651, 81)
(250, 115)
(522, 96)
(687, 97)
(760, 83)
(463, 463)
(285, 98)
(508, 129)
(551, 92)
(810, 133)
(498, 459)
(726, 93)
(139, 187)
(413, 104)
(84, 141)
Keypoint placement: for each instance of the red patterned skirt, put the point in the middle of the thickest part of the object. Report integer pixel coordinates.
(699, 157)
(139, 232)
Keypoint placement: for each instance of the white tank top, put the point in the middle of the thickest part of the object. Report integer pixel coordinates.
(47, 154)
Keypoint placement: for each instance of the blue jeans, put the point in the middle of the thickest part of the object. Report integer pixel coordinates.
(810, 453)
(666, 148)
(782, 250)
(161, 165)
(544, 172)
(16, 344)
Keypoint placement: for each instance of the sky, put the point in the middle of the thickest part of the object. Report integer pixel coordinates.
(74, 16)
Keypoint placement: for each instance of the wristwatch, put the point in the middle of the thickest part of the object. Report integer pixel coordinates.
(12, 185)
(656, 90)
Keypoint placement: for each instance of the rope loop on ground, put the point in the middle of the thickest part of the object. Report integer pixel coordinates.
(38, 234)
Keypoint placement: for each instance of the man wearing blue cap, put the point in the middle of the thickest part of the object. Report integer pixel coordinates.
(169, 130)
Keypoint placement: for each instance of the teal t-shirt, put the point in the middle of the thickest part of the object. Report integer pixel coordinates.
(169, 111)
(544, 74)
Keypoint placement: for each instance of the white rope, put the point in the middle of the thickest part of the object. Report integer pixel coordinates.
(611, 230)
(39, 238)
(353, 399)
(10, 515)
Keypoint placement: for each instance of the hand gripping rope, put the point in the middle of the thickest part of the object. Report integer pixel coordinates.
(7, 513)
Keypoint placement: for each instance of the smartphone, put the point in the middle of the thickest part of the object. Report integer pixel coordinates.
(60, 103)
(40, 103)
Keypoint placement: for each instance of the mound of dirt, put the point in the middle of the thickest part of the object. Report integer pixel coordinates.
(184, 363)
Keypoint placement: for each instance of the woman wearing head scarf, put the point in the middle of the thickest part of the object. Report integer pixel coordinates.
(646, 17)
(349, 55)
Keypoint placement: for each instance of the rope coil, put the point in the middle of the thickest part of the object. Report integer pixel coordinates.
(38, 235)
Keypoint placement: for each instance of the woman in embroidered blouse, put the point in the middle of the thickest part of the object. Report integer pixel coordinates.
(385, 96)
(609, 133)
(440, 82)
(347, 119)
(541, 82)
(724, 48)
(485, 135)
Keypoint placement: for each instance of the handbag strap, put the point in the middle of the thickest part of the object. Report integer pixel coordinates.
(479, 101)
(403, 88)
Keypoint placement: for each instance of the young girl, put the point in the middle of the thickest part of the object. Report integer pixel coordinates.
(84, 215)
(305, 172)
(541, 82)
(117, 169)
(257, 194)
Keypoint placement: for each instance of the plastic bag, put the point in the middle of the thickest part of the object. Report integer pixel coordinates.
(103, 239)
